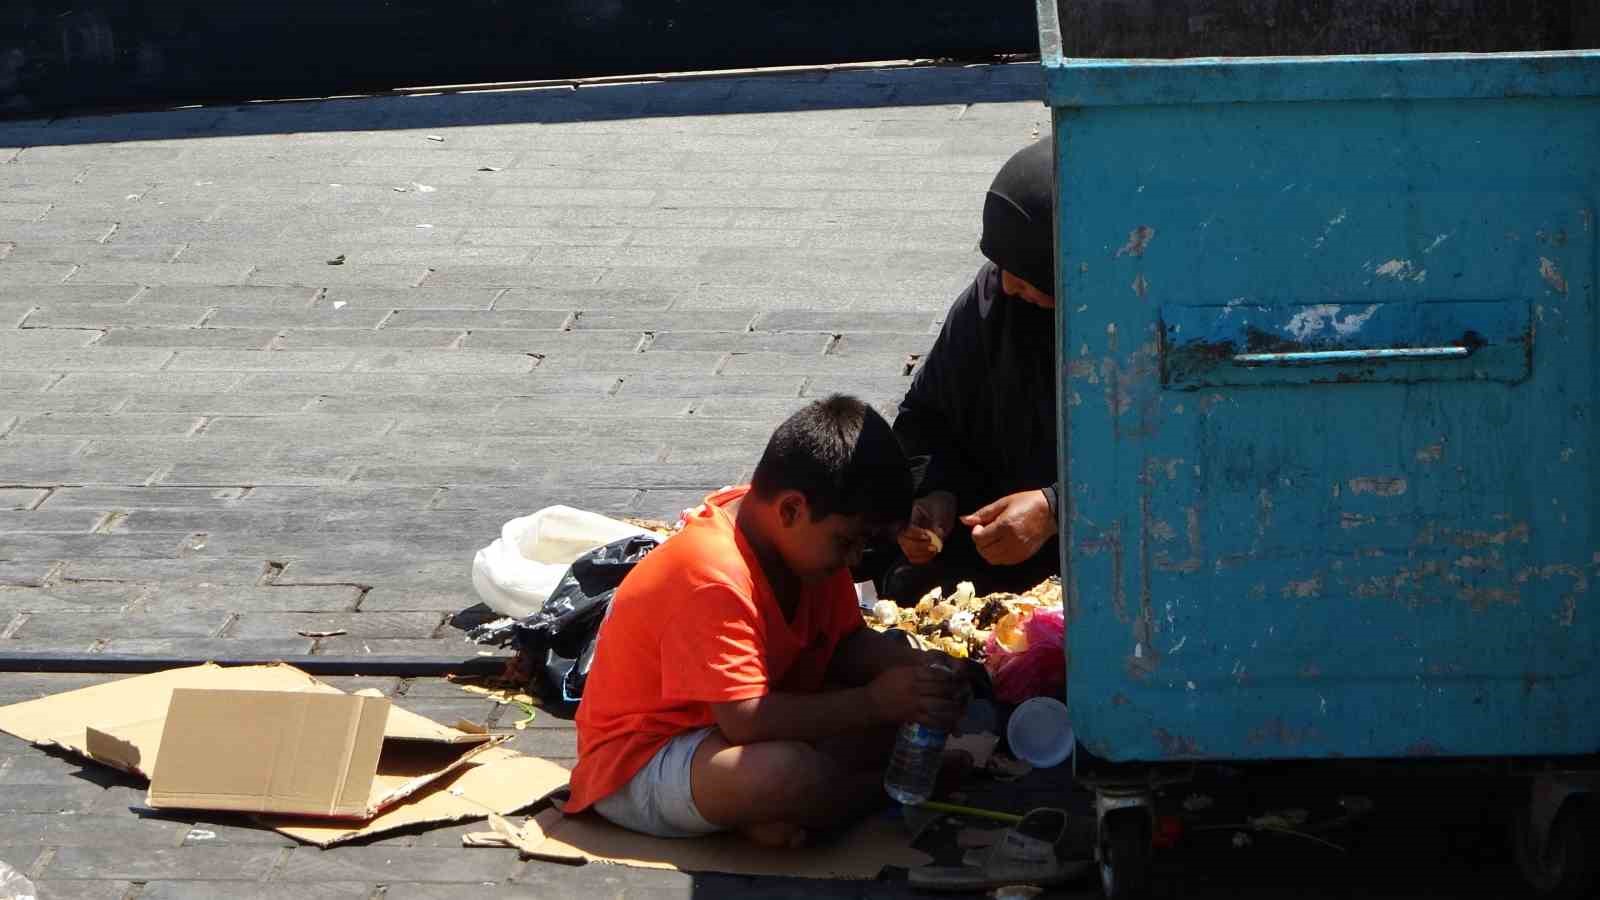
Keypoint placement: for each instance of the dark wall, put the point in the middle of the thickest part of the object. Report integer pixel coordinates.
(77, 54)
(1165, 29)
(58, 55)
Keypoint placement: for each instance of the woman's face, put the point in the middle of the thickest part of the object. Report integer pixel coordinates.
(1022, 290)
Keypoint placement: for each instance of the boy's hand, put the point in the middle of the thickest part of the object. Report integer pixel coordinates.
(932, 519)
(926, 694)
(1013, 528)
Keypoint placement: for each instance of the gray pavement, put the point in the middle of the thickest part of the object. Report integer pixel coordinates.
(285, 367)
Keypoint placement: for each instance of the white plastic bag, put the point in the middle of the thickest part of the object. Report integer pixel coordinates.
(518, 571)
(15, 886)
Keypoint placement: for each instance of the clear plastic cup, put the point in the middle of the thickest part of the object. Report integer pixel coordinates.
(1040, 732)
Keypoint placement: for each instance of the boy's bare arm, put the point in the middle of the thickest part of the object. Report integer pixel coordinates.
(866, 654)
(903, 694)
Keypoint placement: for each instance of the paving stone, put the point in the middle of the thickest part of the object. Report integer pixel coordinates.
(200, 863)
(228, 296)
(48, 798)
(453, 648)
(320, 316)
(23, 381)
(196, 338)
(20, 498)
(146, 382)
(219, 404)
(97, 426)
(17, 404)
(82, 890)
(275, 598)
(409, 339)
(159, 273)
(85, 315)
(240, 361)
(431, 297)
(76, 629)
(408, 625)
(240, 890)
(125, 497)
(546, 344)
(195, 570)
(460, 361)
(45, 339)
(391, 864)
(210, 648)
(89, 360)
(84, 598)
(322, 275)
(25, 273)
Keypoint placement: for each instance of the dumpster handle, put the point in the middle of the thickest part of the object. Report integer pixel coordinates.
(1318, 357)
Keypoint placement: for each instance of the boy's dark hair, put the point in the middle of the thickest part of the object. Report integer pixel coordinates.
(842, 455)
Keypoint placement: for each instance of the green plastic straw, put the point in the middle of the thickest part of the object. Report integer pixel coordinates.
(952, 808)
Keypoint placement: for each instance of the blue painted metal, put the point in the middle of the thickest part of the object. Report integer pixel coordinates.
(1368, 554)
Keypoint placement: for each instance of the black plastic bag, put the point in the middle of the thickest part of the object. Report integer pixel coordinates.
(557, 642)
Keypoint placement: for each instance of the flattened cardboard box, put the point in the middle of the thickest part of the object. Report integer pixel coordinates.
(273, 740)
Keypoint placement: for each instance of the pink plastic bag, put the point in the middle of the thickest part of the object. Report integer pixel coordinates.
(1039, 670)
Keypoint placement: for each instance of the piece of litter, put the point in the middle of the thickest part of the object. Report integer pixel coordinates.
(529, 713)
(335, 185)
(337, 260)
(1008, 768)
(322, 634)
(499, 692)
(400, 190)
(488, 168)
(1288, 818)
(1197, 802)
(200, 834)
(971, 838)
(340, 304)
(1241, 840)
(423, 188)
(435, 137)
(424, 225)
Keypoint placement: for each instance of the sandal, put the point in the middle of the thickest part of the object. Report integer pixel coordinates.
(1028, 853)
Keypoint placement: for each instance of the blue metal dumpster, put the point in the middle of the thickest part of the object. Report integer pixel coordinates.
(1328, 382)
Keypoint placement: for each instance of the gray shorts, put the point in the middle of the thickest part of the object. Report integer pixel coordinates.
(658, 800)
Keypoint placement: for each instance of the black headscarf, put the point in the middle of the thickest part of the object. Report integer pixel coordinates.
(1017, 224)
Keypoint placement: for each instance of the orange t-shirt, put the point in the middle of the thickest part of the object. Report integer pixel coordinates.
(695, 624)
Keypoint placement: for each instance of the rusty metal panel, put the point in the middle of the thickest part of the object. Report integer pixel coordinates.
(1267, 560)
(1307, 343)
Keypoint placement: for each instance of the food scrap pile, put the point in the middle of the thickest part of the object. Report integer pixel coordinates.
(963, 623)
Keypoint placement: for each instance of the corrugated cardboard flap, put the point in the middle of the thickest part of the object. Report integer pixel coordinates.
(270, 751)
(132, 711)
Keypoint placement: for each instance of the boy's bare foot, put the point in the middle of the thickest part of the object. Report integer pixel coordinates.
(776, 834)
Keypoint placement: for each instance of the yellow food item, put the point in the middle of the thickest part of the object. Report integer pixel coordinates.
(961, 624)
(1008, 631)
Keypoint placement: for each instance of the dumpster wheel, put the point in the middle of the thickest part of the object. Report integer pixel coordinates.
(1125, 854)
(1565, 867)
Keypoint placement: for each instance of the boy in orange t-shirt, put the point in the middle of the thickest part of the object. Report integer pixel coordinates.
(734, 685)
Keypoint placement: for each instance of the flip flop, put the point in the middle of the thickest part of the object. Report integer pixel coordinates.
(1026, 853)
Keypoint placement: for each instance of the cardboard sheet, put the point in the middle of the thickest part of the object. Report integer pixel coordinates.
(426, 772)
(860, 852)
(496, 781)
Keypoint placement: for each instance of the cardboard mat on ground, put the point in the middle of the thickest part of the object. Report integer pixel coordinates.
(860, 852)
(305, 758)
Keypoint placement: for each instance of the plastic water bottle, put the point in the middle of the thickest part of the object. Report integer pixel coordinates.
(914, 767)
